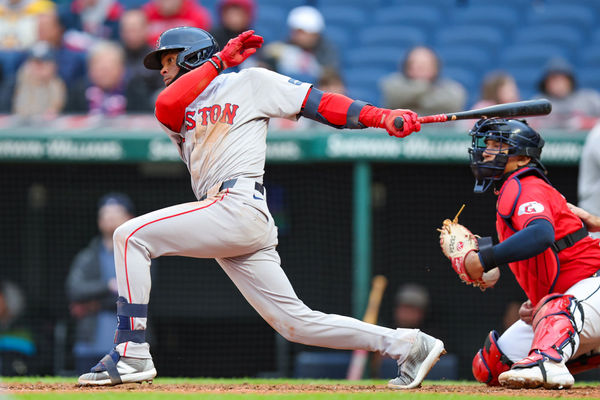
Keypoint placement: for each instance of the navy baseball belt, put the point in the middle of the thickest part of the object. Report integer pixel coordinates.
(231, 183)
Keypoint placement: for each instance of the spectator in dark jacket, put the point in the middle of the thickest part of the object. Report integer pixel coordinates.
(91, 284)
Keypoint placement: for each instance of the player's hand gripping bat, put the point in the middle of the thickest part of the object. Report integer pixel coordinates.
(359, 357)
(507, 110)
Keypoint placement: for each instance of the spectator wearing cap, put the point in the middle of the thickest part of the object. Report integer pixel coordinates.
(40, 94)
(573, 108)
(167, 14)
(306, 52)
(235, 17)
(91, 284)
(418, 85)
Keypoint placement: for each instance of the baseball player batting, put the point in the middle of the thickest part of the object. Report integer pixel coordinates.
(218, 122)
(548, 250)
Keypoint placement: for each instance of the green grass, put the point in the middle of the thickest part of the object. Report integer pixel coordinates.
(133, 394)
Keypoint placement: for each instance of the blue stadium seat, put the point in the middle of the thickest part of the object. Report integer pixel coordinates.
(472, 35)
(590, 57)
(565, 36)
(348, 17)
(473, 58)
(520, 5)
(469, 79)
(342, 37)
(530, 55)
(423, 17)
(271, 23)
(495, 16)
(288, 4)
(362, 4)
(390, 35)
(588, 78)
(527, 79)
(437, 4)
(131, 4)
(362, 82)
(591, 4)
(10, 61)
(383, 57)
(580, 16)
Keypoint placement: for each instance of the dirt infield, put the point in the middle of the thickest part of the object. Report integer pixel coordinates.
(579, 391)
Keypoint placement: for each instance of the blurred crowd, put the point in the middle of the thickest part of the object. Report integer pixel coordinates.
(85, 57)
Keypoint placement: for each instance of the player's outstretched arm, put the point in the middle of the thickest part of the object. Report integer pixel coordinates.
(171, 102)
(591, 221)
(340, 111)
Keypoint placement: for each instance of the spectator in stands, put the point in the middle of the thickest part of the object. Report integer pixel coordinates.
(498, 87)
(307, 50)
(142, 83)
(166, 14)
(235, 17)
(107, 93)
(572, 108)
(70, 62)
(40, 94)
(91, 284)
(419, 87)
(18, 19)
(588, 185)
(331, 81)
(17, 343)
(87, 21)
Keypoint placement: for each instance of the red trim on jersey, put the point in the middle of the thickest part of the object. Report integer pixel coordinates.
(126, 343)
(151, 222)
(174, 99)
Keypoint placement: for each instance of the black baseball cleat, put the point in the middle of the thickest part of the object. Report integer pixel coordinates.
(425, 352)
(114, 370)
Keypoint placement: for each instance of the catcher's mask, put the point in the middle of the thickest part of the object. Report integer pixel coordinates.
(520, 138)
(195, 47)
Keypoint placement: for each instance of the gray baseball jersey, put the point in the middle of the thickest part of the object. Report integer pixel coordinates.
(223, 143)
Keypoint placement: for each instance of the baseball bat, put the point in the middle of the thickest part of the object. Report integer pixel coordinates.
(359, 357)
(507, 110)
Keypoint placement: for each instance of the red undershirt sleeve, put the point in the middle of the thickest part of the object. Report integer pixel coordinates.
(172, 101)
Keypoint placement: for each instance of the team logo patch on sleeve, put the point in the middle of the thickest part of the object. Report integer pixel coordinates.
(295, 82)
(532, 207)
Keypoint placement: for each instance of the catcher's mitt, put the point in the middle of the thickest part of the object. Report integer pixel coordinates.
(457, 242)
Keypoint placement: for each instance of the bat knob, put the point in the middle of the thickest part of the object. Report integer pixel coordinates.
(399, 123)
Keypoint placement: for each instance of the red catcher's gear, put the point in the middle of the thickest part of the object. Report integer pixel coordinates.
(554, 328)
(490, 362)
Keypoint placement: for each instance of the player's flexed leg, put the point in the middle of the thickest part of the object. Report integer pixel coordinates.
(219, 125)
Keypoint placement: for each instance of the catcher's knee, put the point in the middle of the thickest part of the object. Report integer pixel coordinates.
(490, 361)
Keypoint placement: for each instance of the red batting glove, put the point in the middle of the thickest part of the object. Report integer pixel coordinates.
(238, 49)
(383, 118)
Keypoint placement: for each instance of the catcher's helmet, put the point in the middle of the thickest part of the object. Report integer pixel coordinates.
(520, 138)
(195, 47)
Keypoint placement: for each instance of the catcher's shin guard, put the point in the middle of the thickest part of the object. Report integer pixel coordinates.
(126, 312)
(557, 321)
(489, 362)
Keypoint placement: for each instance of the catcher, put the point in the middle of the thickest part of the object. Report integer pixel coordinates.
(550, 253)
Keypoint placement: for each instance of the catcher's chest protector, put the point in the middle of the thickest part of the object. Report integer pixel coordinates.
(536, 275)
